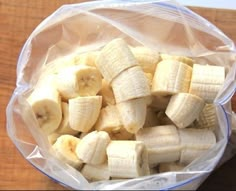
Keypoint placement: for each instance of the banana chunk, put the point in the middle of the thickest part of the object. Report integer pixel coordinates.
(79, 80)
(162, 142)
(183, 59)
(96, 172)
(84, 112)
(133, 114)
(146, 57)
(46, 104)
(92, 147)
(114, 58)
(130, 84)
(127, 159)
(194, 142)
(64, 148)
(88, 58)
(206, 81)
(184, 108)
(207, 118)
(171, 77)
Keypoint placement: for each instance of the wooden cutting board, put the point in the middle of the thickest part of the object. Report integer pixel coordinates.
(18, 18)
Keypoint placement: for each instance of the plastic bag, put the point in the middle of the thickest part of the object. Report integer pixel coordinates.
(164, 26)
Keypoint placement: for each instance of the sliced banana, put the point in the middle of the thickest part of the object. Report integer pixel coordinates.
(171, 77)
(162, 142)
(96, 172)
(149, 77)
(194, 142)
(53, 137)
(130, 84)
(46, 104)
(133, 114)
(107, 94)
(207, 118)
(64, 148)
(114, 58)
(92, 147)
(121, 134)
(64, 127)
(146, 57)
(183, 59)
(84, 112)
(206, 81)
(127, 159)
(109, 120)
(184, 108)
(79, 80)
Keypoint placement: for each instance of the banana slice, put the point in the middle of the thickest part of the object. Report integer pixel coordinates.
(46, 104)
(127, 159)
(151, 118)
(170, 167)
(171, 77)
(133, 114)
(207, 118)
(146, 57)
(79, 80)
(107, 94)
(64, 127)
(64, 148)
(114, 58)
(184, 108)
(149, 77)
(194, 142)
(162, 142)
(84, 112)
(183, 59)
(121, 134)
(92, 147)
(109, 120)
(130, 84)
(96, 172)
(206, 81)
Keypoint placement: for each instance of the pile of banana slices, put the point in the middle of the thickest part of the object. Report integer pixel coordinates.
(125, 112)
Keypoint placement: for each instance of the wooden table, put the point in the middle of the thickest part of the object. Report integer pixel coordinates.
(17, 20)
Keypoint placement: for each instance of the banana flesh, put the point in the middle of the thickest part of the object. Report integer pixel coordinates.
(84, 112)
(64, 149)
(181, 106)
(53, 137)
(127, 159)
(183, 59)
(162, 142)
(132, 114)
(194, 142)
(114, 58)
(46, 105)
(207, 118)
(79, 80)
(171, 77)
(130, 84)
(96, 172)
(147, 58)
(88, 58)
(206, 81)
(92, 147)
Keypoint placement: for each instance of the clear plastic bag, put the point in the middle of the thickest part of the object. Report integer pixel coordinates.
(164, 26)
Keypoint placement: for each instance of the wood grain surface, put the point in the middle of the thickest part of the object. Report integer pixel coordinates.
(18, 18)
